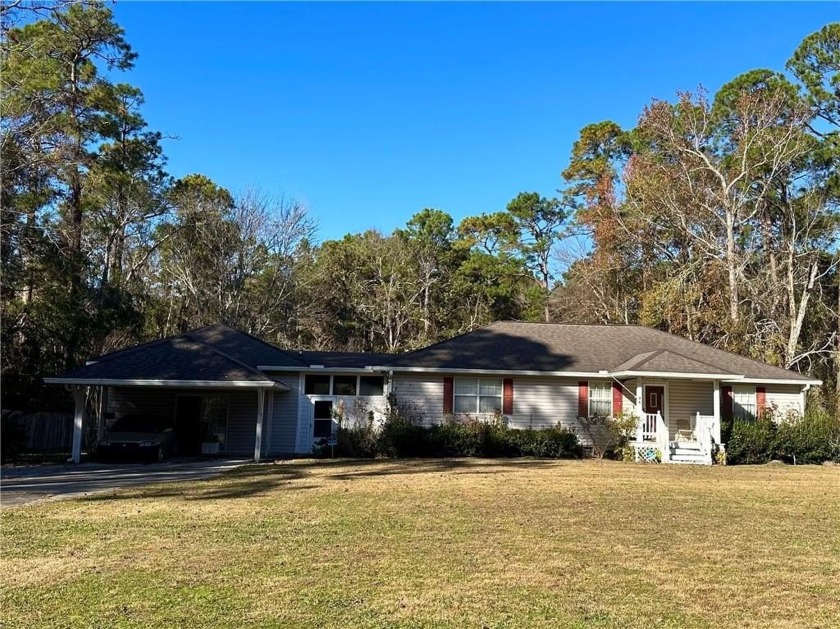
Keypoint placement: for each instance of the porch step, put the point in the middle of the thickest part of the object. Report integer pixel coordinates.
(686, 451)
(701, 460)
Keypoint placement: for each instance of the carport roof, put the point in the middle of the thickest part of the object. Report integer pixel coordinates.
(211, 357)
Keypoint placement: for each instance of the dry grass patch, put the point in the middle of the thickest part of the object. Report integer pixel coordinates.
(443, 543)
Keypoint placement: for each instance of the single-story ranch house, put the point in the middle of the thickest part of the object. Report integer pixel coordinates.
(220, 385)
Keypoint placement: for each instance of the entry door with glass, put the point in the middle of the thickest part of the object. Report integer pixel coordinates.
(323, 423)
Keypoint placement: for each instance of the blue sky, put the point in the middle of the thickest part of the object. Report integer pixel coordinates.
(370, 112)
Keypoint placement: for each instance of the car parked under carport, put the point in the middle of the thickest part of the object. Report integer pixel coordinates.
(149, 437)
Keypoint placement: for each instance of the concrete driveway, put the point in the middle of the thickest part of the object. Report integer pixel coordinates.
(22, 485)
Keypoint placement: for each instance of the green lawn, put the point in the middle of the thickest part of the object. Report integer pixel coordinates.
(446, 543)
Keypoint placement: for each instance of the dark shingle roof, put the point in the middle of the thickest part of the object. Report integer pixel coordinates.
(215, 353)
(515, 346)
(244, 347)
(343, 360)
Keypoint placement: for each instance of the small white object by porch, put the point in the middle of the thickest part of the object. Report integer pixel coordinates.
(653, 441)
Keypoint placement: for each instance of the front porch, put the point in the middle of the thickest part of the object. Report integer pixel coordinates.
(674, 422)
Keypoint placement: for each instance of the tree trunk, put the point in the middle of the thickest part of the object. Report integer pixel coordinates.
(731, 267)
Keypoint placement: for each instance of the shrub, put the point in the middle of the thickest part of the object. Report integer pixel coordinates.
(751, 441)
(812, 439)
(610, 436)
(401, 435)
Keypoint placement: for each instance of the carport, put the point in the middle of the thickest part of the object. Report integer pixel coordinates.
(159, 373)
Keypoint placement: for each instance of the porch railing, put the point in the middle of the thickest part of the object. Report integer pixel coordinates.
(647, 427)
(704, 432)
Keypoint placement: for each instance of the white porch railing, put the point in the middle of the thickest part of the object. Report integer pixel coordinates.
(651, 442)
(647, 427)
(704, 429)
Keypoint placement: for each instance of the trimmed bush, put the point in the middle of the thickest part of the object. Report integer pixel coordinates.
(751, 442)
(399, 437)
(814, 438)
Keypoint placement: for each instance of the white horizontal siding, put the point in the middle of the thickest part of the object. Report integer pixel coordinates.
(628, 396)
(685, 400)
(420, 396)
(544, 403)
(356, 409)
(538, 402)
(783, 399)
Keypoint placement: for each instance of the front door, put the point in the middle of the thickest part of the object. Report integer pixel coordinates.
(322, 421)
(188, 424)
(655, 400)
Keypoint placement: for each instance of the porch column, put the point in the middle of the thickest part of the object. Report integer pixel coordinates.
(103, 408)
(260, 408)
(639, 398)
(269, 417)
(79, 395)
(716, 410)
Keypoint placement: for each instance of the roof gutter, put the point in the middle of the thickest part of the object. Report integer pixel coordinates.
(678, 375)
(314, 368)
(513, 372)
(807, 382)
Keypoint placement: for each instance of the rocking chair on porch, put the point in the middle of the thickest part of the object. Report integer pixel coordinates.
(689, 434)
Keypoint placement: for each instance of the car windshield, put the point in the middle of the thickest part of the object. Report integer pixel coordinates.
(138, 423)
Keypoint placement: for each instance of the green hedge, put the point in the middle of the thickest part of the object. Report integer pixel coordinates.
(813, 439)
(401, 438)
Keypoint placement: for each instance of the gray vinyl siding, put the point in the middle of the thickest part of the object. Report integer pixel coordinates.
(686, 398)
(783, 399)
(284, 415)
(242, 423)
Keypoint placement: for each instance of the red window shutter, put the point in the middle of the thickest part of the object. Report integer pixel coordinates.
(583, 398)
(760, 401)
(618, 399)
(507, 397)
(448, 391)
(726, 399)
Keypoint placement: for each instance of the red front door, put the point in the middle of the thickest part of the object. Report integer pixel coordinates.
(654, 400)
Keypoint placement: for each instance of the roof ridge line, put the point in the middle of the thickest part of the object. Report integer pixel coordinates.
(255, 338)
(703, 362)
(647, 356)
(452, 338)
(225, 355)
(725, 351)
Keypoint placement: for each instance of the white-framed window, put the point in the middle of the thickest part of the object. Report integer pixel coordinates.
(477, 395)
(600, 399)
(325, 384)
(743, 402)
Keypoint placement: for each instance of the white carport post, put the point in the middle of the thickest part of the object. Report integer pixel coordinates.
(716, 411)
(269, 412)
(79, 396)
(260, 413)
(640, 408)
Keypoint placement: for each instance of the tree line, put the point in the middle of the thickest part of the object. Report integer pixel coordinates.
(715, 217)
